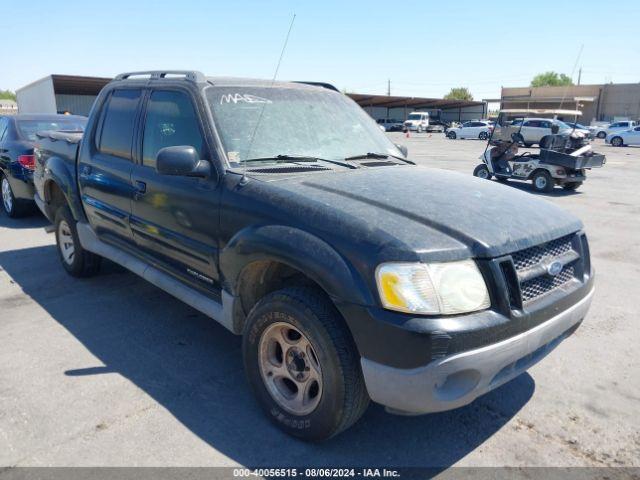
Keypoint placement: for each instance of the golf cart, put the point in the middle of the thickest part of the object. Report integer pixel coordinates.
(563, 158)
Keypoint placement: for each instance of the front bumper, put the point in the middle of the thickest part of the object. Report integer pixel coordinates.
(458, 379)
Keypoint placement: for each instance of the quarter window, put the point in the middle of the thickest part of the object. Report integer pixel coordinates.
(4, 123)
(171, 121)
(118, 123)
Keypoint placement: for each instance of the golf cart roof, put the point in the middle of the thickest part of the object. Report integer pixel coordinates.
(541, 111)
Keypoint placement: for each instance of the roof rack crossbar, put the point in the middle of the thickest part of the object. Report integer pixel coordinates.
(191, 75)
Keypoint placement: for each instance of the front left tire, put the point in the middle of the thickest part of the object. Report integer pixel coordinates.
(483, 136)
(302, 364)
(482, 171)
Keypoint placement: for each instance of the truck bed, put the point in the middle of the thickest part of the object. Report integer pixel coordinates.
(63, 144)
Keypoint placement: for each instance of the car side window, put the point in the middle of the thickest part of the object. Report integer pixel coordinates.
(545, 124)
(118, 123)
(614, 125)
(467, 124)
(171, 120)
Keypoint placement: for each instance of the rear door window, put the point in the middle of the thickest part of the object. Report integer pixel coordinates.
(4, 123)
(171, 120)
(118, 123)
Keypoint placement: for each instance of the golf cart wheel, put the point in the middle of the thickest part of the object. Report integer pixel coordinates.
(601, 134)
(542, 181)
(483, 135)
(481, 171)
(617, 142)
(77, 261)
(302, 364)
(571, 186)
(451, 135)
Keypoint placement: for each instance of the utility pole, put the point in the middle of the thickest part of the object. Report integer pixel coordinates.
(389, 88)
(579, 75)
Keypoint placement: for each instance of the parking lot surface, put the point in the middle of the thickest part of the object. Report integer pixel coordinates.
(112, 371)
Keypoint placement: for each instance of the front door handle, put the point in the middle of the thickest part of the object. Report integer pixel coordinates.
(141, 188)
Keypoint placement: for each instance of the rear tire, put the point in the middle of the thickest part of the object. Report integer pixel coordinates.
(451, 135)
(617, 142)
(77, 261)
(571, 186)
(542, 181)
(482, 171)
(601, 134)
(295, 336)
(483, 136)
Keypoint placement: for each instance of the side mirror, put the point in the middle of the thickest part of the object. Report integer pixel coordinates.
(403, 149)
(182, 160)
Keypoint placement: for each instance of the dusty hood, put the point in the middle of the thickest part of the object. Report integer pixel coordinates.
(434, 211)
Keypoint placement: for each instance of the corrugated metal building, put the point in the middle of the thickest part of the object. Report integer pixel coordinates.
(60, 94)
(606, 102)
(76, 94)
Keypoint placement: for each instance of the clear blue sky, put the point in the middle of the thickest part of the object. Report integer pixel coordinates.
(424, 47)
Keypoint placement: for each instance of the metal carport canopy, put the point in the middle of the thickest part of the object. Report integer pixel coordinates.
(76, 85)
(389, 101)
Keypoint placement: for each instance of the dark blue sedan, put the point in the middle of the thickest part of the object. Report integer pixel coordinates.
(17, 162)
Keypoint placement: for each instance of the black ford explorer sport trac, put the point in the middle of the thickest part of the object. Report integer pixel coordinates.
(284, 213)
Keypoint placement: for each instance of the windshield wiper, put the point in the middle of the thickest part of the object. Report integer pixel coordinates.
(378, 156)
(297, 158)
(284, 159)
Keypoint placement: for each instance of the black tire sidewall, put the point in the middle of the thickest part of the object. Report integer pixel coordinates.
(451, 135)
(601, 135)
(324, 420)
(617, 138)
(478, 169)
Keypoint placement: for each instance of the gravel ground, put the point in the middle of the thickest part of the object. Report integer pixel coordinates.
(112, 371)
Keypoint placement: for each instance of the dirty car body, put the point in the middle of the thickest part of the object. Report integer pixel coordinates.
(336, 206)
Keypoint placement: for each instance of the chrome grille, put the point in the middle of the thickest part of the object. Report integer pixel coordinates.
(540, 255)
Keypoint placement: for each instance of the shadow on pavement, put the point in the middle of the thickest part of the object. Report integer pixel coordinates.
(192, 367)
(35, 220)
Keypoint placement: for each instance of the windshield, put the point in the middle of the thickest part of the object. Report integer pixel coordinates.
(414, 116)
(29, 128)
(313, 122)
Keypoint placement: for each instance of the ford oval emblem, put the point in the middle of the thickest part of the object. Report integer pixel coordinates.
(554, 268)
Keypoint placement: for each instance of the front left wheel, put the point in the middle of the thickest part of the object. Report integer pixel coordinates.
(542, 181)
(302, 364)
(482, 171)
(483, 135)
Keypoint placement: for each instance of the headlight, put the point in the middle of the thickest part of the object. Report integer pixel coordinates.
(434, 288)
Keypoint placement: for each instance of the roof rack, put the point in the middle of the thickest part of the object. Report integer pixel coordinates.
(191, 75)
(318, 84)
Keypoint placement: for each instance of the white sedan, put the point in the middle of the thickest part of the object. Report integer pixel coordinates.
(473, 129)
(603, 130)
(625, 137)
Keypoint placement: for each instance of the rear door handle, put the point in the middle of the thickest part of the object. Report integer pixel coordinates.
(141, 188)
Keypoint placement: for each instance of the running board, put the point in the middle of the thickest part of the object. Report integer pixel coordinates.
(220, 312)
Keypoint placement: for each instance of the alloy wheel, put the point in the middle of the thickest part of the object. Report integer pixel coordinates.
(66, 244)
(7, 196)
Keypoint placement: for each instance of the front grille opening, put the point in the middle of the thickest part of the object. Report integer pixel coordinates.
(536, 287)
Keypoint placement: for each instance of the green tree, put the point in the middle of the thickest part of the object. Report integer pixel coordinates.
(7, 95)
(551, 79)
(459, 93)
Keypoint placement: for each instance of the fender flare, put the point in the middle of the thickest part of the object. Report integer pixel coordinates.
(64, 177)
(298, 249)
